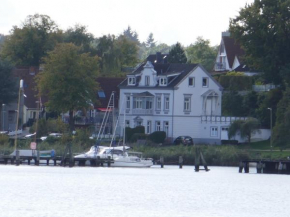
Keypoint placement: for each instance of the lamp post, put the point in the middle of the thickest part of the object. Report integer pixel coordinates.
(271, 131)
(17, 120)
(3, 121)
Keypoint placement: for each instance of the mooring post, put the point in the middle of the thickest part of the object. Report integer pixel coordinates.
(247, 167)
(180, 161)
(109, 161)
(37, 158)
(17, 157)
(241, 166)
(197, 159)
(162, 162)
(259, 167)
(71, 161)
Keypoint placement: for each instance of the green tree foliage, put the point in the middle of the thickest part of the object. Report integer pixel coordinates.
(8, 83)
(237, 83)
(28, 44)
(177, 54)
(281, 130)
(201, 52)
(116, 53)
(262, 28)
(2, 39)
(231, 104)
(245, 128)
(131, 35)
(267, 100)
(68, 80)
(150, 42)
(79, 36)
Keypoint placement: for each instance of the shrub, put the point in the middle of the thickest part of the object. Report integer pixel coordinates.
(137, 136)
(157, 136)
(131, 131)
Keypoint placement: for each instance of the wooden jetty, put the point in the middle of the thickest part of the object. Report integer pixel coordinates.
(55, 161)
(266, 166)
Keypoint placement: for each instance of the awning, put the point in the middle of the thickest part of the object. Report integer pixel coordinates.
(104, 109)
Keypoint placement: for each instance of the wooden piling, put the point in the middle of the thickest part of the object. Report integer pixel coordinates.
(180, 161)
(37, 158)
(162, 162)
(109, 161)
(241, 166)
(17, 158)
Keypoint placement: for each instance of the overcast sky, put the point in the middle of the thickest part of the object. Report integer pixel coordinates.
(170, 21)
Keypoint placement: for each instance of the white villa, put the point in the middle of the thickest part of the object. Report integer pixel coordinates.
(180, 99)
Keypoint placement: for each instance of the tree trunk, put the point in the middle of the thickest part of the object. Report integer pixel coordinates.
(71, 121)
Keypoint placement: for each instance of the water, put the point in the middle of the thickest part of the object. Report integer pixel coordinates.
(30, 191)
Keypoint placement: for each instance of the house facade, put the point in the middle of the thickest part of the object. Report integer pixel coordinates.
(180, 99)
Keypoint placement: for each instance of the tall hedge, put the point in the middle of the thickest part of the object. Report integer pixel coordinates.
(237, 83)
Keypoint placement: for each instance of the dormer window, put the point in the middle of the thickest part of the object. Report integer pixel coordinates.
(163, 81)
(147, 80)
(131, 80)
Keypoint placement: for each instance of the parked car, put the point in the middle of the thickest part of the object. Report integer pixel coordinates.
(56, 135)
(29, 136)
(184, 140)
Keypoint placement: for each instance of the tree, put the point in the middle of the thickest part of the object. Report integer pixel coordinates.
(177, 54)
(27, 45)
(150, 41)
(231, 104)
(281, 130)
(79, 36)
(116, 53)
(201, 52)
(245, 127)
(131, 35)
(262, 29)
(68, 80)
(8, 83)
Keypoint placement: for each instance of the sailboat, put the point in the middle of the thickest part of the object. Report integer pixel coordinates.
(121, 155)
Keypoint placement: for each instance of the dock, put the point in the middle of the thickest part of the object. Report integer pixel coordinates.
(55, 161)
(266, 166)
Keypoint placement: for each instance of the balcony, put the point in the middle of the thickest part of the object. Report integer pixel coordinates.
(220, 66)
(142, 111)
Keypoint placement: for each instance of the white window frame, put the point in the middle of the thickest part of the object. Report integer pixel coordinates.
(158, 102)
(206, 80)
(157, 126)
(163, 81)
(166, 127)
(137, 103)
(131, 80)
(128, 102)
(187, 103)
(127, 123)
(214, 131)
(166, 102)
(148, 127)
(192, 79)
(147, 80)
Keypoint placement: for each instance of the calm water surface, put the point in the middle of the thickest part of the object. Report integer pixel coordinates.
(125, 192)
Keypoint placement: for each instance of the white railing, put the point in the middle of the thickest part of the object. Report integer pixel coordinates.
(261, 88)
(221, 119)
(142, 111)
(220, 66)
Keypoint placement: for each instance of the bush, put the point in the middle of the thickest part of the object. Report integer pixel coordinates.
(137, 136)
(131, 131)
(237, 83)
(157, 136)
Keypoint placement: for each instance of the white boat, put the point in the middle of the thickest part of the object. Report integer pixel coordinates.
(120, 155)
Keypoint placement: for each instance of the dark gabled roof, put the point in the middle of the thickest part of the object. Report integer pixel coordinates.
(232, 49)
(157, 58)
(108, 85)
(180, 69)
